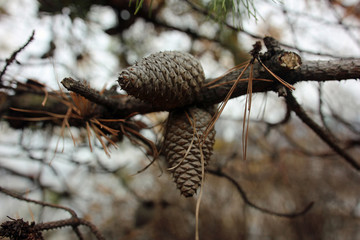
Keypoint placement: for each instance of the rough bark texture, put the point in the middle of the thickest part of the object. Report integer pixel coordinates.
(320, 71)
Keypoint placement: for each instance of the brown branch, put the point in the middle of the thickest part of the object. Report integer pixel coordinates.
(19, 229)
(215, 92)
(18, 196)
(121, 106)
(74, 221)
(89, 93)
(320, 71)
(70, 222)
(118, 107)
(14, 54)
(309, 71)
(243, 195)
(328, 139)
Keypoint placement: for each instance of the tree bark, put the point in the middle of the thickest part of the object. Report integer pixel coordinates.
(121, 106)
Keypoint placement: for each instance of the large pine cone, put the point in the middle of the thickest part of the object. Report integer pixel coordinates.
(167, 79)
(179, 135)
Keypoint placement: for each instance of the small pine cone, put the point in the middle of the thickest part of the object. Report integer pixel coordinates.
(167, 79)
(179, 134)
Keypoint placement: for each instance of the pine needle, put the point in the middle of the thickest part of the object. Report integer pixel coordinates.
(88, 130)
(223, 104)
(286, 84)
(247, 109)
(98, 134)
(198, 201)
(241, 80)
(242, 65)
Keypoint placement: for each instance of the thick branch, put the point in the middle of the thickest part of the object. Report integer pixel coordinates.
(216, 93)
(320, 71)
(91, 94)
(122, 106)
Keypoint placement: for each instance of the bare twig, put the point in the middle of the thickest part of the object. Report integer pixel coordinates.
(13, 56)
(321, 112)
(300, 112)
(18, 196)
(243, 195)
(74, 221)
(70, 222)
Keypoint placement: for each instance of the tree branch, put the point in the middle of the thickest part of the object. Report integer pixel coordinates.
(74, 221)
(320, 71)
(300, 112)
(20, 197)
(243, 195)
(124, 105)
(89, 93)
(120, 106)
(13, 56)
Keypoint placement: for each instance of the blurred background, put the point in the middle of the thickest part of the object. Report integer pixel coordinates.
(287, 167)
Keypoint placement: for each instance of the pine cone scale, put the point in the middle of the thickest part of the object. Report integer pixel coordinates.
(167, 79)
(187, 168)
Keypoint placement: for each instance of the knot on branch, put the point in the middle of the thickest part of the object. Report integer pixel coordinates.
(289, 60)
(167, 79)
(280, 59)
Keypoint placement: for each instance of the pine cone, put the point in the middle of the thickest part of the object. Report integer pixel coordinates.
(167, 79)
(186, 170)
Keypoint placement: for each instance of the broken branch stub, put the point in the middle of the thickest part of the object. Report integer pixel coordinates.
(289, 60)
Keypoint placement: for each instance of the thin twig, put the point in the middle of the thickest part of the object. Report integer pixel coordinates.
(300, 112)
(74, 221)
(243, 195)
(70, 222)
(321, 112)
(20, 197)
(13, 56)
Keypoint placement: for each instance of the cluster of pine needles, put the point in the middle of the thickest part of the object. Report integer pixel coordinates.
(83, 111)
(255, 53)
